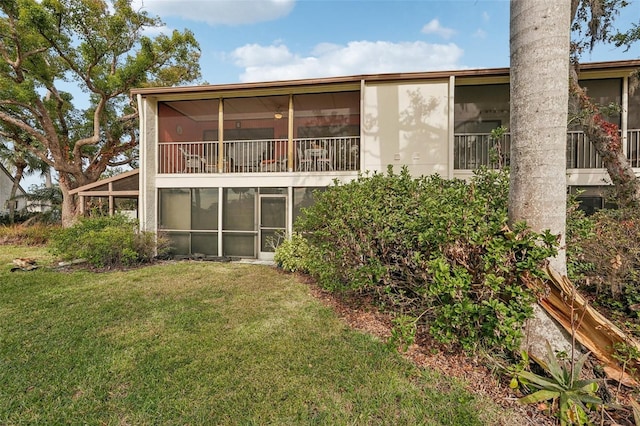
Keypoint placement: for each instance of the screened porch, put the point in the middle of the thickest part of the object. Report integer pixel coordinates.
(307, 132)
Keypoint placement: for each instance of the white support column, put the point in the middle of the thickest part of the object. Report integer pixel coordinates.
(289, 211)
(290, 150)
(624, 114)
(220, 199)
(221, 153)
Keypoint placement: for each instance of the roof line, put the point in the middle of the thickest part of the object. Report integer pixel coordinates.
(635, 63)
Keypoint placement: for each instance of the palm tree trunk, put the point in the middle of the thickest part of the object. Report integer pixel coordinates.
(539, 109)
(539, 46)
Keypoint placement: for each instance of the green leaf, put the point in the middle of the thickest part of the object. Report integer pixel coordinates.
(541, 395)
(589, 386)
(583, 398)
(557, 372)
(514, 383)
(577, 368)
(540, 382)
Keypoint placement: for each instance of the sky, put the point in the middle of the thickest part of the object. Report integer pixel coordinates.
(270, 40)
(266, 40)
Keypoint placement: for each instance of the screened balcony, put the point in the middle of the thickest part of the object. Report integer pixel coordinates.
(307, 132)
(473, 150)
(482, 108)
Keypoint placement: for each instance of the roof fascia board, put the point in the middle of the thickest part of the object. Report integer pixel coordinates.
(481, 80)
(326, 84)
(211, 93)
(604, 73)
(104, 181)
(109, 193)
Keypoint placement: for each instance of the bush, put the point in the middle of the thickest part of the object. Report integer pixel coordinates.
(107, 241)
(294, 254)
(435, 249)
(605, 257)
(20, 216)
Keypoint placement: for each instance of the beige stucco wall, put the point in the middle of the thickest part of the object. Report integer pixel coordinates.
(406, 124)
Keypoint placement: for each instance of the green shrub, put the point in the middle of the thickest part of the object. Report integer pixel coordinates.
(605, 258)
(20, 216)
(107, 241)
(294, 254)
(580, 228)
(430, 248)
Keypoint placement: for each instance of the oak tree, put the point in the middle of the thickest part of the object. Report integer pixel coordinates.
(99, 49)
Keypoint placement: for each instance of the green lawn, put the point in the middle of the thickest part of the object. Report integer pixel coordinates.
(201, 343)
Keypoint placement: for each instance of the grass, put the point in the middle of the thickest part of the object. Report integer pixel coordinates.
(201, 343)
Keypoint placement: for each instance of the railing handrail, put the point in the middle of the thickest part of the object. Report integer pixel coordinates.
(258, 155)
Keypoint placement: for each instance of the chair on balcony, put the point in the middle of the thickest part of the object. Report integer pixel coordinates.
(275, 161)
(194, 163)
(305, 164)
(318, 158)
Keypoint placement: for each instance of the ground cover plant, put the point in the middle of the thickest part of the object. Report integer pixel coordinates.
(201, 343)
(435, 252)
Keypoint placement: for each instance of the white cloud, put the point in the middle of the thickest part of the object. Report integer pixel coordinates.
(277, 62)
(485, 16)
(219, 12)
(480, 33)
(434, 27)
(252, 55)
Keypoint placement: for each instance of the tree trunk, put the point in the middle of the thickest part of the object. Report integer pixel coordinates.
(539, 46)
(539, 110)
(14, 190)
(69, 207)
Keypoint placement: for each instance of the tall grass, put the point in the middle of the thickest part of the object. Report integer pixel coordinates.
(201, 343)
(34, 234)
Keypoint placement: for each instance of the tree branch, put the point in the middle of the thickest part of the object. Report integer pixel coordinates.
(606, 139)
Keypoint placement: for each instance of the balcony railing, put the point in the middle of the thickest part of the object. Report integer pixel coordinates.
(269, 155)
(581, 154)
(473, 150)
(633, 147)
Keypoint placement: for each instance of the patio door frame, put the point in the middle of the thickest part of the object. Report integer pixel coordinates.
(268, 255)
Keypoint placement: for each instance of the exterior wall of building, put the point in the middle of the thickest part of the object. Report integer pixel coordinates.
(426, 124)
(6, 182)
(407, 125)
